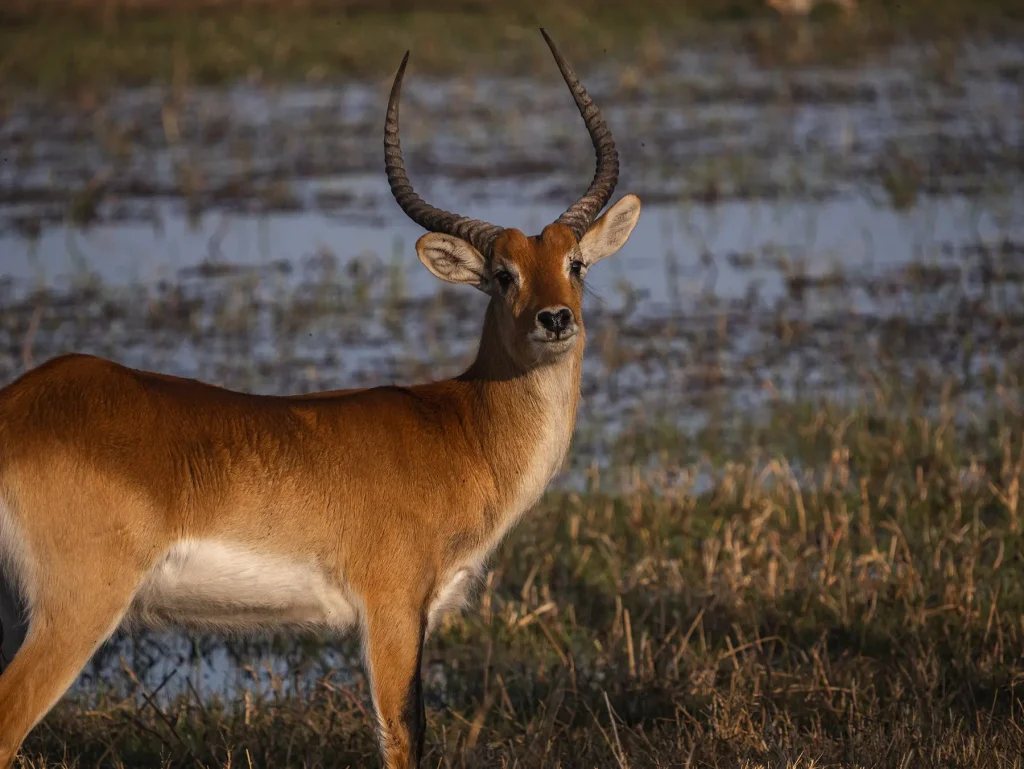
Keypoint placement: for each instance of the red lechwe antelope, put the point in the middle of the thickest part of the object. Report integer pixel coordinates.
(128, 497)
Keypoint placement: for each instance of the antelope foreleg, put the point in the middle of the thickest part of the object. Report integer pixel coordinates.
(394, 651)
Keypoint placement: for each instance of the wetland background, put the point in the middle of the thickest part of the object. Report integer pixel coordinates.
(788, 532)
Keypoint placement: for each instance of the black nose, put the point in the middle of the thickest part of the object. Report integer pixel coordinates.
(555, 320)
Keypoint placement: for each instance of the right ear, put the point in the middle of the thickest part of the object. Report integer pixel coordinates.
(451, 259)
(609, 233)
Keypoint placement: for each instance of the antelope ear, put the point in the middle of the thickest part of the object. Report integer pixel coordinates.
(451, 259)
(610, 233)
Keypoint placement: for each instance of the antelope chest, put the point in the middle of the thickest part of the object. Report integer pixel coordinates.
(557, 392)
(554, 434)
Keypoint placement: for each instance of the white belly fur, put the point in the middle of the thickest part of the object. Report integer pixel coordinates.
(225, 586)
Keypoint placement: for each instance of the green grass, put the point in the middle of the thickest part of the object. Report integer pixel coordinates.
(68, 46)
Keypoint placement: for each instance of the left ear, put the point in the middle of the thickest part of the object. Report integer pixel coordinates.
(610, 233)
(451, 259)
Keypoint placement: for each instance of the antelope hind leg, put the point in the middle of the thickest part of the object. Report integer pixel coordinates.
(67, 625)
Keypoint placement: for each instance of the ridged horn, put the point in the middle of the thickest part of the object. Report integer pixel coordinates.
(479, 233)
(581, 214)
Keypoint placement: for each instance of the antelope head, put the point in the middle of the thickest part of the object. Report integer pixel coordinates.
(535, 283)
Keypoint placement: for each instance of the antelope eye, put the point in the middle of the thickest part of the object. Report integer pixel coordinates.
(576, 267)
(503, 279)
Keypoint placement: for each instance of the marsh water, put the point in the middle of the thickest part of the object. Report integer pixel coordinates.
(801, 226)
(823, 169)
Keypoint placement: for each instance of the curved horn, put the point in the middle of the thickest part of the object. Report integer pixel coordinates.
(480, 234)
(580, 214)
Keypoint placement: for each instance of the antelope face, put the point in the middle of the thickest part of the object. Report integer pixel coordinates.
(537, 288)
(535, 283)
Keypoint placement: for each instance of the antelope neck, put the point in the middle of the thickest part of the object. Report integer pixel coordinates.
(524, 415)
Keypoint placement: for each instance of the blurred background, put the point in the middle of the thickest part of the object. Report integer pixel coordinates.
(788, 530)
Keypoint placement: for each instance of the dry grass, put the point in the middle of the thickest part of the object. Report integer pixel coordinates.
(863, 610)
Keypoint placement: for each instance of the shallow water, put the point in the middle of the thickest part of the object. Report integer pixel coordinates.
(816, 169)
(677, 251)
(801, 228)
